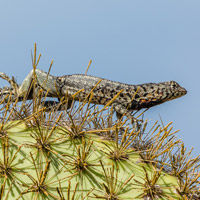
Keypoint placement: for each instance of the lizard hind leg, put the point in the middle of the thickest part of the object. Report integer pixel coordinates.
(45, 81)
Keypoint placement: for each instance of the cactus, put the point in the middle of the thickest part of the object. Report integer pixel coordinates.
(85, 153)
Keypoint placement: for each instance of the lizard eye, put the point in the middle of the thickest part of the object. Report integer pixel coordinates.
(174, 84)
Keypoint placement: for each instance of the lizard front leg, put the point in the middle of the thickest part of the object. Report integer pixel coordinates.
(122, 110)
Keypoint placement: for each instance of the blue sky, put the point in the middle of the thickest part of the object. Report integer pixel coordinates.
(132, 41)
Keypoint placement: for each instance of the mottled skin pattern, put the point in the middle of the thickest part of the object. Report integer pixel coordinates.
(132, 97)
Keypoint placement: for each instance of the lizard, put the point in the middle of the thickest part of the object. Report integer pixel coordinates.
(128, 97)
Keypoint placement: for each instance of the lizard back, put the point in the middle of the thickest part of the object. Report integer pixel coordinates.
(134, 97)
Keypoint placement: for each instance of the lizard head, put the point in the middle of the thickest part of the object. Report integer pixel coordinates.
(174, 90)
(156, 93)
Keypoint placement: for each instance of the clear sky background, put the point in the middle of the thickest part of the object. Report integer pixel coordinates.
(132, 41)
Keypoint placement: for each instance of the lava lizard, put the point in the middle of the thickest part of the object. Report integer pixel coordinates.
(127, 97)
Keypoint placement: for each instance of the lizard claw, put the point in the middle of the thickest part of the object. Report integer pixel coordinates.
(7, 91)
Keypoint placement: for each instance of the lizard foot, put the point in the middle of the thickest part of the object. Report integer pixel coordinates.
(122, 111)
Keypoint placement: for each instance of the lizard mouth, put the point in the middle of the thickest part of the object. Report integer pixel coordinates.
(179, 93)
(183, 91)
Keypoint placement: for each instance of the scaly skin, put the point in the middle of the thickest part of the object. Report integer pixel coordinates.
(131, 97)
